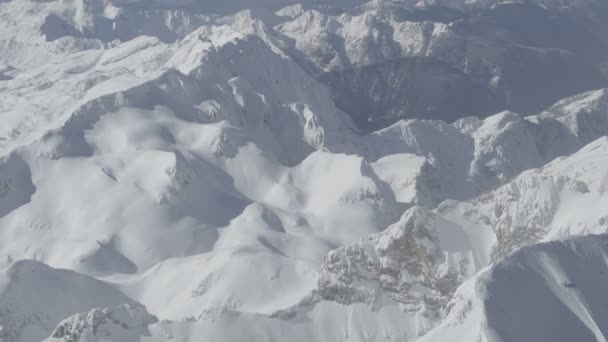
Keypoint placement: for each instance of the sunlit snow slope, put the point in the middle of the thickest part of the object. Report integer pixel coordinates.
(271, 171)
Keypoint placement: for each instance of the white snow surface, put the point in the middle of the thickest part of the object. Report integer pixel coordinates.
(510, 301)
(173, 171)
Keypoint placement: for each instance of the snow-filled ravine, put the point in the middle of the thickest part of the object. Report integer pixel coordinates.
(282, 170)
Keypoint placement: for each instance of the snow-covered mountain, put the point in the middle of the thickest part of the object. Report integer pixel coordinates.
(510, 300)
(276, 170)
(34, 297)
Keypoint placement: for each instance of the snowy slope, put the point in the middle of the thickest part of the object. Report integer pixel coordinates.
(190, 162)
(565, 197)
(35, 297)
(511, 300)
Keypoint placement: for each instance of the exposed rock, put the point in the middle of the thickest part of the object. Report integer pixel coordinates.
(119, 324)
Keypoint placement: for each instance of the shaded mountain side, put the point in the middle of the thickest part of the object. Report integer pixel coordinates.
(194, 163)
(529, 24)
(533, 56)
(378, 95)
(532, 79)
(441, 63)
(547, 292)
(412, 87)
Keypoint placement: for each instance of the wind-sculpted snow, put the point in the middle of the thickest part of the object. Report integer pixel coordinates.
(34, 298)
(514, 296)
(206, 160)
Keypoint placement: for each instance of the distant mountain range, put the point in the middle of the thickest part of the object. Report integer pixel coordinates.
(327, 171)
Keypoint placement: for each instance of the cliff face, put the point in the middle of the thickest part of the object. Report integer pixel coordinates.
(299, 171)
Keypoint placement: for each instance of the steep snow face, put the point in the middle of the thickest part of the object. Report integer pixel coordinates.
(584, 115)
(471, 155)
(197, 157)
(510, 300)
(422, 260)
(35, 297)
(405, 174)
(169, 147)
(553, 201)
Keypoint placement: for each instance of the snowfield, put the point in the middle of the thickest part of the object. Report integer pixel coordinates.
(247, 171)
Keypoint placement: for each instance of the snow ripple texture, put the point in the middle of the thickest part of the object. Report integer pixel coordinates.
(270, 170)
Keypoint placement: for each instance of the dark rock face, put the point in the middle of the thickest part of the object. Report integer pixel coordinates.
(54, 27)
(517, 56)
(413, 87)
(126, 322)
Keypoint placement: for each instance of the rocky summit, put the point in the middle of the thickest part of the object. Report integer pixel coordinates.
(303, 170)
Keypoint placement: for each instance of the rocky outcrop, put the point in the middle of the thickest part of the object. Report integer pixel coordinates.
(118, 324)
(405, 263)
